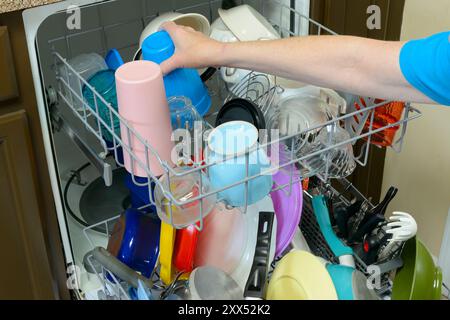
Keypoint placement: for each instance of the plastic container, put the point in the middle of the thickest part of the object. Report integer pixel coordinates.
(142, 102)
(110, 146)
(194, 20)
(114, 59)
(419, 278)
(300, 275)
(159, 47)
(184, 249)
(139, 194)
(183, 188)
(135, 240)
(227, 145)
(166, 242)
(104, 83)
(241, 110)
(86, 65)
(385, 115)
(183, 115)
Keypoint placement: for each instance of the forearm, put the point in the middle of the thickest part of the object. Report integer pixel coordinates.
(358, 65)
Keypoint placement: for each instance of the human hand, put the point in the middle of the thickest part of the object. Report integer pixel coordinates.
(192, 49)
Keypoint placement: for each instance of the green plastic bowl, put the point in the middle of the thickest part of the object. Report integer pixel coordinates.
(419, 278)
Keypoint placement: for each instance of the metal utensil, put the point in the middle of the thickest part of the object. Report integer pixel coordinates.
(209, 283)
(119, 269)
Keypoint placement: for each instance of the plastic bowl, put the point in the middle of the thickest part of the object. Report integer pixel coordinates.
(247, 24)
(419, 278)
(193, 20)
(135, 240)
(300, 275)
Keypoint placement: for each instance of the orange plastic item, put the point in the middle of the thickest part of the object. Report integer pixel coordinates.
(305, 184)
(385, 115)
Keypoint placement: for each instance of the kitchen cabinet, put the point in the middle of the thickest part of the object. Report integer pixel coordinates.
(8, 82)
(23, 100)
(24, 271)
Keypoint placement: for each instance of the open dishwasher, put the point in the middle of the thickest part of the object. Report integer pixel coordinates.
(86, 173)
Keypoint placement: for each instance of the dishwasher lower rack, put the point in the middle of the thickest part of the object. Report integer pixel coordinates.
(112, 288)
(91, 120)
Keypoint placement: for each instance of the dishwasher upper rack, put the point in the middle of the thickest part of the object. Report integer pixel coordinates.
(93, 123)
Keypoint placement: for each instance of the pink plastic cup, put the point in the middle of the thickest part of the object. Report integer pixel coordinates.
(142, 102)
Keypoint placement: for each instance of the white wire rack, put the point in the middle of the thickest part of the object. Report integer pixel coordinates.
(93, 122)
(114, 288)
(317, 243)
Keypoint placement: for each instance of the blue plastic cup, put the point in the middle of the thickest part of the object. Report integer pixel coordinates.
(159, 47)
(227, 145)
(104, 83)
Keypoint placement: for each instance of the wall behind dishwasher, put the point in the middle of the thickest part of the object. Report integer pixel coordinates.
(422, 170)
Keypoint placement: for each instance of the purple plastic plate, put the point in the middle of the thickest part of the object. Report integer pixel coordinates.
(287, 205)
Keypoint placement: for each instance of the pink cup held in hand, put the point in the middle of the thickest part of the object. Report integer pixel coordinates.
(142, 102)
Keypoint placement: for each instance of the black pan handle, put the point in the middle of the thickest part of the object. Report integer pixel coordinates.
(372, 222)
(255, 286)
(207, 74)
(382, 206)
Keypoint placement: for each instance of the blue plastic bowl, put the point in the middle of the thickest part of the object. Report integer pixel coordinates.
(139, 248)
(139, 194)
(110, 146)
(159, 47)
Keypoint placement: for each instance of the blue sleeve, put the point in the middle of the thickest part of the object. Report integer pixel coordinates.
(425, 63)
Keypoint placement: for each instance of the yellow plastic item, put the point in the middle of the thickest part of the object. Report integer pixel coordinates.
(166, 243)
(300, 276)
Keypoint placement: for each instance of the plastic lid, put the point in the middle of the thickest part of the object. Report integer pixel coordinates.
(241, 109)
(158, 47)
(233, 138)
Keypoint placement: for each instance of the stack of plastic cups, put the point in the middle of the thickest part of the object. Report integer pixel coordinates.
(142, 103)
(104, 83)
(159, 47)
